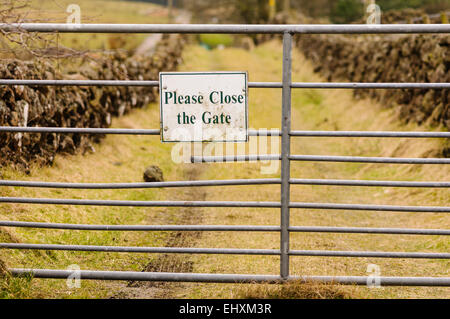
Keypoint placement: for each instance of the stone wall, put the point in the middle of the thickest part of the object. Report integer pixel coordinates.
(388, 58)
(71, 106)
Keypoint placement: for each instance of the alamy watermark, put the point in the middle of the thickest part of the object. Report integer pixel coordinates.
(374, 276)
(74, 18)
(74, 279)
(374, 14)
(267, 143)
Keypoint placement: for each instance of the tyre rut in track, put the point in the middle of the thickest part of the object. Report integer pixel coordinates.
(179, 263)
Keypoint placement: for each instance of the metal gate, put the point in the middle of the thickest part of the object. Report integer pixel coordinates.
(285, 180)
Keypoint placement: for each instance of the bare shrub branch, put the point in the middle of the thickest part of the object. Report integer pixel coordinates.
(36, 44)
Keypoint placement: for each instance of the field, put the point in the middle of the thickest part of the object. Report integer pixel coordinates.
(96, 11)
(124, 158)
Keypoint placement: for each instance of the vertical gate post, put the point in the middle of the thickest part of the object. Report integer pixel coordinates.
(285, 154)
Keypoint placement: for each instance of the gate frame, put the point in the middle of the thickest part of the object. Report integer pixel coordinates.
(285, 157)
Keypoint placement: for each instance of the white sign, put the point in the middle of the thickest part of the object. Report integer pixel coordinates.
(203, 106)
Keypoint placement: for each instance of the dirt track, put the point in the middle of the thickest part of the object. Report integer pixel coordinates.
(178, 263)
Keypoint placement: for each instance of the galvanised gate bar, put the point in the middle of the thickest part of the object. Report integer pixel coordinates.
(285, 180)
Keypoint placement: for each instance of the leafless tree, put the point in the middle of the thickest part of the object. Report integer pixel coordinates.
(33, 43)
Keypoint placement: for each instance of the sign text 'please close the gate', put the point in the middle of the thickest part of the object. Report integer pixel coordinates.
(204, 106)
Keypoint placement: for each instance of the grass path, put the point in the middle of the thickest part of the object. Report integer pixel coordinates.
(123, 159)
